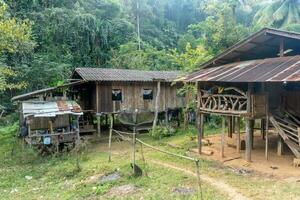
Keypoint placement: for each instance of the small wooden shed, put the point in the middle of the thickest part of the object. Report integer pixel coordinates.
(108, 91)
(255, 79)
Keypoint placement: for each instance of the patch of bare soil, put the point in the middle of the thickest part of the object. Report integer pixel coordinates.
(122, 190)
(218, 184)
(276, 166)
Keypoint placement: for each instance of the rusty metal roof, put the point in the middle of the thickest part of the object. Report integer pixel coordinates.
(50, 108)
(278, 69)
(262, 44)
(108, 74)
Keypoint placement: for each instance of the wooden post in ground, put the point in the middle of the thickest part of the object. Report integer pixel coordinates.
(110, 135)
(223, 137)
(166, 117)
(267, 137)
(248, 140)
(279, 146)
(262, 128)
(156, 105)
(200, 120)
(98, 109)
(238, 136)
(229, 125)
(233, 124)
(248, 136)
(252, 122)
(298, 130)
(200, 127)
(134, 139)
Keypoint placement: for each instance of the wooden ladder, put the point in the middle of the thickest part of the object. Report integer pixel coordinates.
(287, 125)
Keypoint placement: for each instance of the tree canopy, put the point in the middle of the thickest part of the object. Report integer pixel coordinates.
(41, 42)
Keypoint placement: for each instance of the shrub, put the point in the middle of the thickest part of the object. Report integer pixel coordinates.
(161, 131)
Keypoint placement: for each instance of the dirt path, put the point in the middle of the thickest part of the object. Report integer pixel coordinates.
(220, 185)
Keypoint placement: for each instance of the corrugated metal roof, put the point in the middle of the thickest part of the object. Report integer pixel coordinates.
(260, 45)
(278, 69)
(108, 74)
(43, 91)
(50, 108)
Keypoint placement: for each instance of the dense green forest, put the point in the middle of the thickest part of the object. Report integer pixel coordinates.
(42, 41)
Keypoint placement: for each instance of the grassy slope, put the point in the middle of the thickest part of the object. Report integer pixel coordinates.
(58, 178)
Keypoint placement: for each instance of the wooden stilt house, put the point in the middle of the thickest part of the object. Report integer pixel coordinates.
(108, 91)
(255, 79)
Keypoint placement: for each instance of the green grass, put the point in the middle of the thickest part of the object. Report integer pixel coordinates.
(57, 177)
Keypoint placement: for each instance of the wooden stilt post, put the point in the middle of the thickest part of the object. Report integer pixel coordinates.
(229, 126)
(262, 128)
(166, 117)
(156, 105)
(248, 141)
(238, 136)
(200, 127)
(233, 124)
(279, 146)
(200, 118)
(298, 130)
(223, 137)
(134, 140)
(248, 136)
(252, 122)
(267, 138)
(99, 125)
(110, 135)
(98, 109)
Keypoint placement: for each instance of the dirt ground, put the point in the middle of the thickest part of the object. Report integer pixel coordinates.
(275, 166)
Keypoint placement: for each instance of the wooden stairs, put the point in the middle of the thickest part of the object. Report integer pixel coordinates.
(287, 124)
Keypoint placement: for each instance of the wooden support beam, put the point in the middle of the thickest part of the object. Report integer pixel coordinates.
(223, 137)
(156, 105)
(238, 136)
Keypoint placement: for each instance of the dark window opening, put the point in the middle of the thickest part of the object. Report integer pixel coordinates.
(148, 94)
(117, 95)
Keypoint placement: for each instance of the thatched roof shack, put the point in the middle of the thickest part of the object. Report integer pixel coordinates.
(257, 78)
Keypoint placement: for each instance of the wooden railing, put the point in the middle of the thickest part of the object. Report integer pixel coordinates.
(231, 104)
